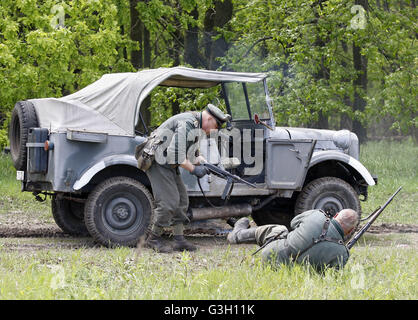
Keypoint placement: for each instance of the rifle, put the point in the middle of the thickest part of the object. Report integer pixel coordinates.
(229, 177)
(371, 218)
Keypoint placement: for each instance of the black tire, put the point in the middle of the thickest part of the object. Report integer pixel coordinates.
(69, 215)
(23, 118)
(118, 212)
(329, 194)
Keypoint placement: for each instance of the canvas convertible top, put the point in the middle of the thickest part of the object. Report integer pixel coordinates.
(111, 104)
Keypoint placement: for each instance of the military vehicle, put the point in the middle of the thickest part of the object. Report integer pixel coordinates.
(79, 149)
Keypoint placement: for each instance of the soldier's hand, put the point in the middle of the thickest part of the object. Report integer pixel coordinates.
(200, 171)
(200, 160)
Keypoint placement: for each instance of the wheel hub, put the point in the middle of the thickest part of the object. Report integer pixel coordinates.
(329, 204)
(121, 211)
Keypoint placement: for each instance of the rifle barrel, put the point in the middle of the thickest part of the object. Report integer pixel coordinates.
(373, 217)
(225, 174)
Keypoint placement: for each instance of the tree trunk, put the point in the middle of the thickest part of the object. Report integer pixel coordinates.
(360, 89)
(360, 84)
(216, 17)
(140, 58)
(136, 35)
(146, 104)
(322, 73)
(191, 42)
(345, 120)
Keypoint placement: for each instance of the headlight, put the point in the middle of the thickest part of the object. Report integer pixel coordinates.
(342, 139)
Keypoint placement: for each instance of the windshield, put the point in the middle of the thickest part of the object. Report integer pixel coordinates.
(237, 94)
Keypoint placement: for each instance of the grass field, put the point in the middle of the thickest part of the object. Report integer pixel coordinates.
(381, 266)
(395, 164)
(383, 271)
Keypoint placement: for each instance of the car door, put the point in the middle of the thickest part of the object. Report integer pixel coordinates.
(287, 162)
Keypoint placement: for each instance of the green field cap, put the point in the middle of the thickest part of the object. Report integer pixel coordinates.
(219, 116)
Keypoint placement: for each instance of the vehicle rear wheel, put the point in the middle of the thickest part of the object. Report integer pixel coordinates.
(23, 118)
(118, 211)
(69, 215)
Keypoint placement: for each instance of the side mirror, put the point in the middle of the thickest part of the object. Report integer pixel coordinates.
(258, 121)
(256, 118)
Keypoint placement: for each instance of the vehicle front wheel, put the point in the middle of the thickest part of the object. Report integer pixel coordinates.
(329, 194)
(118, 211)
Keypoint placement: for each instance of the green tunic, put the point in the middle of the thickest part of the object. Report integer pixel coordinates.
(299, 244)
(179, 133)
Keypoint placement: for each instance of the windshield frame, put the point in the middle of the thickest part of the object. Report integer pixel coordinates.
(247, 101)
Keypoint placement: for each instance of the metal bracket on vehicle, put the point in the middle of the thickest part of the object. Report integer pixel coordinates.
(39, 198)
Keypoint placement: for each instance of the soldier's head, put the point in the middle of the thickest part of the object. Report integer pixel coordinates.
(348, 220)
(213, 118)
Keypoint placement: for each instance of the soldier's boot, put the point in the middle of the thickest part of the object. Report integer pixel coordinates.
(241, 233)
(181, 244)
(156, 243)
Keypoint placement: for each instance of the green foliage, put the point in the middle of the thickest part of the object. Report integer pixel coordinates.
(307, 48)
(163, 100)
(3, 139)
(52, 48)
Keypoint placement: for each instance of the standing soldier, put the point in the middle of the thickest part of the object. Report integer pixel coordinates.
(170, 194)
(315, 238)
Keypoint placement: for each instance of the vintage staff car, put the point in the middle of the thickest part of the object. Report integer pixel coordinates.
(79, 149)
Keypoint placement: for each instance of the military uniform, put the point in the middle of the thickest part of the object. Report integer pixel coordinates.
(315, 238)
(170, 194)
(160, 156)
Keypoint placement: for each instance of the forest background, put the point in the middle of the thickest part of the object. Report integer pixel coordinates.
(332, 64)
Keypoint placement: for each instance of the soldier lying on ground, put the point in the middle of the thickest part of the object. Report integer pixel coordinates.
(315, 238)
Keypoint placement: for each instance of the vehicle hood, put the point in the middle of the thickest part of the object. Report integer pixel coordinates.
(342, 140)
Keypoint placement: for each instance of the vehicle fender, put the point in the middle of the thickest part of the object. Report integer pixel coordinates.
(87, 175)
(320, 156)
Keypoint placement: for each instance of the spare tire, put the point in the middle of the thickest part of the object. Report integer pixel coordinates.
(23, 118)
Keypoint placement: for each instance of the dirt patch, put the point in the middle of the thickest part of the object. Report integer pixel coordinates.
(393, 228)
(215, 228)
(16, 246)
(31, 232)
(207, 235)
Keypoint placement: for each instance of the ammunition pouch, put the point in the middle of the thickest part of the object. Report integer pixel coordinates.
(145, 152)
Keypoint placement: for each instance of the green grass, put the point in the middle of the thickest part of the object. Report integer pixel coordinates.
(98, 273)
(12, 199)
(395, 164)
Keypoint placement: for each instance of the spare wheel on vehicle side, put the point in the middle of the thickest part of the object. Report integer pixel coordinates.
(118, 211)
(23, 118)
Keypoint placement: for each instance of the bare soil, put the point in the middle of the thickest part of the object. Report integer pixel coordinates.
(19, 233)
